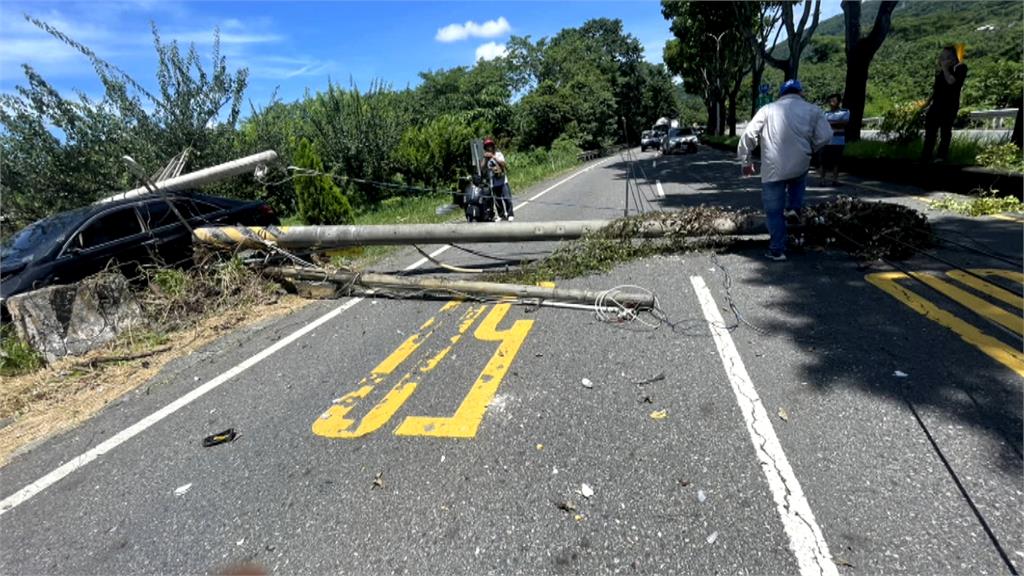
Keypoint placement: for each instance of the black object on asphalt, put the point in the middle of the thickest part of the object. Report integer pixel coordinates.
(220, 438)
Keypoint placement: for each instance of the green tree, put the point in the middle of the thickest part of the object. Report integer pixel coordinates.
(61, 152)
(358, 132)
(437, 152)
(711, 52)
(320, 200)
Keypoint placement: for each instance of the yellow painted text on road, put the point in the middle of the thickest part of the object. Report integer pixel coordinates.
(337, 421)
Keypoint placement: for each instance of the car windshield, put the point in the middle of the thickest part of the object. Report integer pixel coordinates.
(37, 238)
(679, 132)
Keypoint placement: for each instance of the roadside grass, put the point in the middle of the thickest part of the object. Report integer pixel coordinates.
(986, 203)
(185, 310)
(721, 141)
(16, 356)
(962, 152)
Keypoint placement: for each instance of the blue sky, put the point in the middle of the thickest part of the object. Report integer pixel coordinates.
(299, 45)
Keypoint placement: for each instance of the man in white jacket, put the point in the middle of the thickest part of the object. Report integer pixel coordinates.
(790, 130)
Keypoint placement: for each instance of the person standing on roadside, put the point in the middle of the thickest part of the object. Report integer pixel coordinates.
(945, 103)
(494, 162)
(832, 153)
(790, 130)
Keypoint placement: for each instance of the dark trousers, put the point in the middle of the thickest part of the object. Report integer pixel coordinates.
(503, 199)
(938, 122)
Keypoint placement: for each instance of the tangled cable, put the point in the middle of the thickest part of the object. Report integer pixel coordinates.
(607, 307)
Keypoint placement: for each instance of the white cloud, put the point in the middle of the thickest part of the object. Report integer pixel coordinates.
(489, 29)
(490, 51)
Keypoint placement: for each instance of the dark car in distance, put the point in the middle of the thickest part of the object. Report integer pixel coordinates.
(69, 246)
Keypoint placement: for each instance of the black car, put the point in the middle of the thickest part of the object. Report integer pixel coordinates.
(69, 246)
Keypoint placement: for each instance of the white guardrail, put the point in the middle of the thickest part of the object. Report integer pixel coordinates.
(995, 116)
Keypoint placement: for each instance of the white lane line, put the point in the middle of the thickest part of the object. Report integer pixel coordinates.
(62, 471)
(805, 538)
(659, 190)
(563, 181)
(130, 432)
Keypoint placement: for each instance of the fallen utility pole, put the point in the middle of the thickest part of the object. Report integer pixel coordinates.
(200, 177)
(494, 289)
(403, 234)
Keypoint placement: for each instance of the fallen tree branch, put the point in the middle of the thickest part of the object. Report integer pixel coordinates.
(89, 364)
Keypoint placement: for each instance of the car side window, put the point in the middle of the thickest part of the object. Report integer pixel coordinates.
(157, 214)
(194, 208)
(110, 227)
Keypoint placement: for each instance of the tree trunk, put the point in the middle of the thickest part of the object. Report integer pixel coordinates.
(855, 98)
(1018, 125)
(732, 114)
(756, 74)
(859, 53)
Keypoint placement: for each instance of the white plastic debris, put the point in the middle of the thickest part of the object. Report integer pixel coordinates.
(900, 374)
(711, 539)
(587, 383)
(586, 491)
(240, 542)
(701, 497)
(182, 490)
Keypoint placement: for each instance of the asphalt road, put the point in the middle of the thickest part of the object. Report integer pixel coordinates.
(816, 416)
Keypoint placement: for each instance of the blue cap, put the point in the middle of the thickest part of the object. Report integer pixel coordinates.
(790, 86)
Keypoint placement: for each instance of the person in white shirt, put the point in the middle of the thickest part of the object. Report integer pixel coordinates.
(832, 154)
(494, 161)
(790, 130)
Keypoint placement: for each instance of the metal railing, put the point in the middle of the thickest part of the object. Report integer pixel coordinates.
(995, 116)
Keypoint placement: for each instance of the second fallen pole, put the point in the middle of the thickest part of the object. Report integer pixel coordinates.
(493, 289)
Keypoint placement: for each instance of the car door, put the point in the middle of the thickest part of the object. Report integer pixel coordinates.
(115, 238)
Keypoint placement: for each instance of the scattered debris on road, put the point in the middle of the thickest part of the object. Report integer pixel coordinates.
(566, 506)
(657, 378)
(659, 414)
(712, 538)
(224, 437)
(587, 383)
(783, 415)
(182, 490)
(378, 481)
(900, 374)
(586, 491)
(701, 496)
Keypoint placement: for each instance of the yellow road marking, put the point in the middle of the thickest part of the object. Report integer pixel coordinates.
(977, 305)
(1008, 274)
(466, 420)
(334, 423)
(987, 288)
(995, 349)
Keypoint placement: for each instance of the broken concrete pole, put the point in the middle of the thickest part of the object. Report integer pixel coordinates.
(201, 177)
(403, 234)
(70, 320)
(372, 281)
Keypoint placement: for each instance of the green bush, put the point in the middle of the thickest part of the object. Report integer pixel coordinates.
(903, 122)
(1002, 157)
(435, 153)
(320, 200)
(16, 356)
(989, 202)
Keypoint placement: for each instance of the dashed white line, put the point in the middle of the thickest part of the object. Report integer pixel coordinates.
(658, 189)
(805, 538)
(62, 471)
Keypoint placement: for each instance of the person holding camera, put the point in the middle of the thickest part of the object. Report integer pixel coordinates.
(494, 162)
